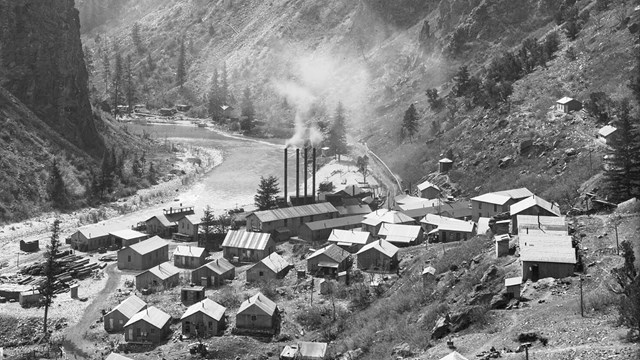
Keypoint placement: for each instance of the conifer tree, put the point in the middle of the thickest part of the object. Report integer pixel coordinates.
(410, 122)
(338, 132)
(135, 37)
(623, 165)
(206, 222)
(215, 98)
(57, 187)
(181, 72)
(117, 81)
(152, 174)
(51, 269)
(106, 69)
(247, 110)
(129, 84)
(265, 199)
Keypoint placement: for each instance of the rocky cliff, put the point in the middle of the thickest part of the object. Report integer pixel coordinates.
(42, 64)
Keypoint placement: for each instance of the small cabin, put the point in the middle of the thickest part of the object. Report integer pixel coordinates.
(192, 294)
(567, 104)
(513, 287)
(444, 165)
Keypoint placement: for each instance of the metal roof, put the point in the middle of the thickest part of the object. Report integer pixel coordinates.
(127, 234)
(333, 251)
(448, 224)
(190, 251)
(429, 270)
(492, 198)
(548, 256)
(262, 302)
(162, 271)
(130, 306)
(295, 212)
(386, 216)
(208, 307)
(531, 202)
(541, 220)
(607, 130)
(445, 160)
(219, 266)
(353, 210)
(454, 209)
(151, 315)
(519, 193)
(275, 262)
(312, 350)
(335, 223)
(513, 281)
(503, 237)
(116, 356)
(243, 239)
(349, 236)
(454, 356)
(427, 184)
(149, 245)
(545, 242)
(162, 219)
(95, 231)
(195, 219)
(382, 246)
(565, 100)
(400, 233)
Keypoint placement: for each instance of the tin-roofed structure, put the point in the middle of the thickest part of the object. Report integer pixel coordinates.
(291, 218)
(401, 235)
(144, 255)
(150, 325)
(247, 246)
(328, 261)
(189, 257)
(319, 231)
(379, 256)
(127, 237)
(428, 190)
(258, 313)
(350, 240)
(490, 204)
(162, 276)
(204, 319)
(272, 267)
(214, 273)
(373, 221)
(533, 205)
(115, 319)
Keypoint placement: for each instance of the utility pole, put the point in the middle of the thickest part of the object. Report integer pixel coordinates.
(617, 245)
(526, 352)
(581, 297)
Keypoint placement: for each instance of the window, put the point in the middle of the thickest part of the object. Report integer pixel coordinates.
(285, 222)
(120, 321)
(480, 205)
(495, 208)
(253, 318)
(153, 331)
(261, 273)
(210, 324)
(129, 258)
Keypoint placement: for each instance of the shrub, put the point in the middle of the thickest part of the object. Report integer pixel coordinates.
(600, 300)
(228, 297)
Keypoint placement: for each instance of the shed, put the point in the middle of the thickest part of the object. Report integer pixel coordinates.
(144, 255)
(533, 205)
(428, 190)
(328, 261)
(148, 326)
(350, 240)
(192, 294)
(444, 229)
(214, 273)
(608, 134)
(258, 313)
(29, 246)
(247, 246)
(204, 319)
(30, 298)
(126, 237)
(272, 267)
(428, 276)
(567, 104)
(401, 235)
(166, 223)
(513, 287)
(160, 277)
(115, 319)
(312, 350)
(319, 231)
(189, 257)
(502, 244)
(291, 218)
(379, 255)
(538, 264)
(444, 165)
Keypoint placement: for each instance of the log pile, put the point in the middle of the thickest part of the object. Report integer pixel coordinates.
(72, 267)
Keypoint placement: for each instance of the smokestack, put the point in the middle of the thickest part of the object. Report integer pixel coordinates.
(306, 166)
(297, 174)
(313, 175)
(285, 176)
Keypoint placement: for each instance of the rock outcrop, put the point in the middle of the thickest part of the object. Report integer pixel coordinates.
(42, 64)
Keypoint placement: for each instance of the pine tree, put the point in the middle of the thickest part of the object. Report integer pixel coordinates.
(461, 82)
(129, 84)
(181, 72)
(150, 64)
(117, 81)
(622, 170)
(106, 69)
(338, 133)
(247, 110)
(628, 281)
(215, 101)
(136, 167)
(152, 174)
(224, 84)
(265, 199)
(135, 37)
(51, 269)
(57, 187)
(410, 122)
(435, 102)
(206, 222)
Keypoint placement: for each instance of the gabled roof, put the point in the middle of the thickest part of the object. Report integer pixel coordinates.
(151, 315)
(501, 197)
(549, 255)
(127, 234)
(262, 302)
(382, 246)
(149, 245)
(531, 202)
(351, 190)
(195, 219)
(116, 356)
(427, 184)
(313, 350)
(607, 130)
(454, 209)
(513, 281)
(347, 210)
(445, 160)
(275, 262)
(533, 224)
(243, 239)
(519, 193)
(130, 306)
(333, 252)
(295, 212)
(448, 224)
(334, 223)
(454, 356)
(400, 233)
(208, 307)
(545, 242)
(219, 266)
(190, 251)
(162, 219)
(565, 100)
(349, 236)
(95, 231)
(386, 216)
(162, 271)
(429, 270)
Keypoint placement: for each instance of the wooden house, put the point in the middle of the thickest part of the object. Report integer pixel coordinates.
(513, 287)
(192, 294)
(555, 262)
(166, 224)
(533, 205)
(567, 104)
(444, 229)
(373, 221)
(258, 313)
(502, 244)
(350, 240)
(378, 256)
(401, 235)
(460, 210)
(444, 165)
(245, 246)
(272, 267)
(532, 224)
(319, 231)
(404, 202)
(126, 237)
(115, 319)
(204, 319)
(150, 325)
(188, 228)
(214, 273)
(428, 276)
(328, 261)
(288, 221)
(160, 277)
(189, 257)
(90, 238)
(428, 190)
(490, 204)
(608, 134)
(144, 255)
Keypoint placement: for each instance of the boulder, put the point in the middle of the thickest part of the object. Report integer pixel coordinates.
(489, 274)
(500, 301)
(570, 152)
(461, 319)
(441, 329)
